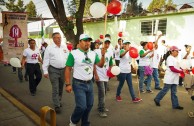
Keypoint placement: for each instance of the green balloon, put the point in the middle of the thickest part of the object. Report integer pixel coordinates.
(141, 52)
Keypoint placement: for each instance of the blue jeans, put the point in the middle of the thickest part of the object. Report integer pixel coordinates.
(156, 79)
(141, 79)
(101, 95)
(84, 99)
(163, 92)
(128, 78)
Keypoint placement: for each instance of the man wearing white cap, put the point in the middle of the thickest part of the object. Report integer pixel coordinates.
(102, 78)
(82, 60)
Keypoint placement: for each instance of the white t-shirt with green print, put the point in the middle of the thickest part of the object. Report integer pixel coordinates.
(82, 66)
(102, 72)
(125, 62)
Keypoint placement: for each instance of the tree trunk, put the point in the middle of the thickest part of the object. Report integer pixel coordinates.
(58, 11)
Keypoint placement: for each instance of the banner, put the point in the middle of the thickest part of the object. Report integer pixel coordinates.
(15, 37)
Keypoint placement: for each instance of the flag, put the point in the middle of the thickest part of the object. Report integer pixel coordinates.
(42, 30)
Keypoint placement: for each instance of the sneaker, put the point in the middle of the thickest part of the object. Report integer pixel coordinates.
(33, 94)
(137, 100)
(142, 91)
(156, 102)
(118, 98)
(57, 110)
(179, 107)
(106, 110)
(103, 114)
(150, 91)
(158, 88)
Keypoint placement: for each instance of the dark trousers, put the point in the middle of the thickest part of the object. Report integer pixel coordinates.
(35, 76)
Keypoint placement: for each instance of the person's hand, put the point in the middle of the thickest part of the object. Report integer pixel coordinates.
(68, 88)
(96, 78)
(103, 51)
(46, 76)
(116, 47)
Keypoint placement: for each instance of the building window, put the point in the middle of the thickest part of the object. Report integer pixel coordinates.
(148, 27)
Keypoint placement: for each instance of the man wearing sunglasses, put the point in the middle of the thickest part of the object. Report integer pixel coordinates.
(82, 60)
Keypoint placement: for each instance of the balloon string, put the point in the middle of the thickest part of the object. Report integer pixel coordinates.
(105, 21)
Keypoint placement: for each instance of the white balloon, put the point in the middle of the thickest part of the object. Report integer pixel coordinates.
(97, 9)
(184, 64)
(15, 62)
(115, 70)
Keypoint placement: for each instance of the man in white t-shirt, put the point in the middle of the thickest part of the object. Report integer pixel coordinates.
(155, 63)
(31, 56)
(82, 61)
(102, 78)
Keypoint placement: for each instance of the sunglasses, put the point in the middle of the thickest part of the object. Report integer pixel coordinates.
(86, 58)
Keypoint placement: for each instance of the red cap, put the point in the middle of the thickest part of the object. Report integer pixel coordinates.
(174, 48)
(97, 40)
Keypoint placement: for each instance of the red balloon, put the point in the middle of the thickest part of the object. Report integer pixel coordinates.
(193, 70)
(101, 36)
(133, 52)
(114, 7)
(150, 45)
(69, 47)
(120, 34)
(109, 74)
(182, 75)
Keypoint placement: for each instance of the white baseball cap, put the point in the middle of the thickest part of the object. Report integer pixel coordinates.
(126, 41)
(85, 37)
(107, 39)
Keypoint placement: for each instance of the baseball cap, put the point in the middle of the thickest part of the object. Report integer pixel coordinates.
(85, 37)
(174, 48)
(126, 41)
(106, 39)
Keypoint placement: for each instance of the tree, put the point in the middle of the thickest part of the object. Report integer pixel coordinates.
(31, 9)
(66, 25)
(134, 8)
(170, 3)
(159, 4)
(19, 7)
(156, 4)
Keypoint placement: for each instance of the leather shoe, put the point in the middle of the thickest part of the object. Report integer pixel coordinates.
(179, 107)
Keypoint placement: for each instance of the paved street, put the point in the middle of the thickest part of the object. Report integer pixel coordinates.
(123, 113)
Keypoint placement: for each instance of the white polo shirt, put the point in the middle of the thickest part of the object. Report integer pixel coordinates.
(31, 55)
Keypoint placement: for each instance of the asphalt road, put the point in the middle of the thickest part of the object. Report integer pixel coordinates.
(123, 113)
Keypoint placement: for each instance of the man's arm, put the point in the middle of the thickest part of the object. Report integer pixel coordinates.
(45, 64)
(67, 77)
(23, 61)
(102, 60)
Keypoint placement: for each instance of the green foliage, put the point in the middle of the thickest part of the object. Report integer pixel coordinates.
(170, 3)
(134, 8)
(38, 36)
(31, 9)
(156, 4)
(20, 7)
(159, 4)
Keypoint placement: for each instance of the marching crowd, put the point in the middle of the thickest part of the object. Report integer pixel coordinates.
(78, 69)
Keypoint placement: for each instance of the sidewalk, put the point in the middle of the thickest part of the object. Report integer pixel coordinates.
(10, 115)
